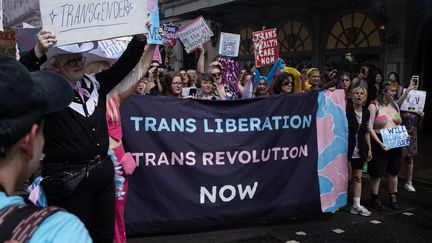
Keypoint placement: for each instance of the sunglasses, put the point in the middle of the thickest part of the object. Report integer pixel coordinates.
(77, 62)
(287, 83)
(216, 74)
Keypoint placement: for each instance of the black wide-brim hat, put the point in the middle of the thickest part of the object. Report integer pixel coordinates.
(25, 97)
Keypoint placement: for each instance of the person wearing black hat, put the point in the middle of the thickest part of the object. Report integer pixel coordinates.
(80, 174)
(26, 99)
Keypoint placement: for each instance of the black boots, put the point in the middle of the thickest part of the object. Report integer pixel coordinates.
(393, 201)
(375, 203)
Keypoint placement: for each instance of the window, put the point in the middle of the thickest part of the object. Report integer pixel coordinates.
(246, 44)
(354, 30)
(294, 37)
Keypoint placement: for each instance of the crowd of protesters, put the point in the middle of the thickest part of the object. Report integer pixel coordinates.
(81, 137)
(373, 103)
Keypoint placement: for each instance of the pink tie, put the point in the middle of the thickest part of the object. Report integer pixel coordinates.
(81, 91)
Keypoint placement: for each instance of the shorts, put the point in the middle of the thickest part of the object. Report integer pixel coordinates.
(384, 161)
(357, 164)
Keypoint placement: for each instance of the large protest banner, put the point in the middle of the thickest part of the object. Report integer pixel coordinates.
(194, 34)
(265, 47)
(88, 20)
(204, 163)
(229, 44)
(332, 138)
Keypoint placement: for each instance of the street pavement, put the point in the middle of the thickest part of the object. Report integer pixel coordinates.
(413, 223)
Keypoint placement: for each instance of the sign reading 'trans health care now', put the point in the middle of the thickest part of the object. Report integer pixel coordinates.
(87, 20)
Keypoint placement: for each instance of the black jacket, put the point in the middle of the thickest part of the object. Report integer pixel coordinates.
(353, 129)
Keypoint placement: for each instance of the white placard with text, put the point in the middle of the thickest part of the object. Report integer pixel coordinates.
(415, 101)
(78, 21)
(395, 137)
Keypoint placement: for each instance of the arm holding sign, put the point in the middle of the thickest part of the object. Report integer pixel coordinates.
(36, 56)
(146, 62)
(109, 78)
(200, 64)
(412, 86)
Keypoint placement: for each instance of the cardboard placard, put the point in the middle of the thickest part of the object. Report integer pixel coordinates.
(8, 42)
(229, 44)
(415, 101)
(171, 33)
(395, 137)
(88, 20)
(266, 47)
(153, 36)
(114, 48)
(194, 34)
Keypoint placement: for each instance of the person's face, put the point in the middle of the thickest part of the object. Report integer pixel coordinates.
(206, 87)
(176, 86)
(364, 72)
(140, 87)
(345, 82)
(74, 68)
(261, 89)
(184, 77)
(193, 75)
(287, 86)
(378, 78)
(359, 97)
(314, 77)
(392, 77)
(390, 92)
(216, 75)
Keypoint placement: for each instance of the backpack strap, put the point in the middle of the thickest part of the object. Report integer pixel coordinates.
(19, 222)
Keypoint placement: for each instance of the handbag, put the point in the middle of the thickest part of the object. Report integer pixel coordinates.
(62, 185)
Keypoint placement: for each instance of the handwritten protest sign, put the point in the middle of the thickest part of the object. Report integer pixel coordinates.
(415, 101)
(194, 34)
(171, 33)
(266, 47)
(153, 34)
(229, 44)
(7, 42)
(88, 20)
(395, 137)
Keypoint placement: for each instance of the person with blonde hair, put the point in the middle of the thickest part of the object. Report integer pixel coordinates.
(359, 146)
(313, 79)
(77, 139)
(384, 113)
